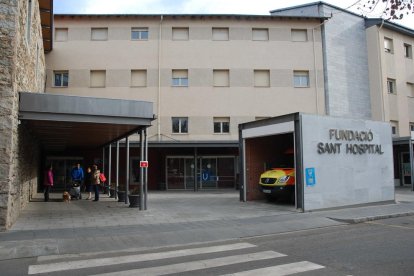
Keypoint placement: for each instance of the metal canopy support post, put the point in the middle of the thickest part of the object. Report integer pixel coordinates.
(195, 169)
(117, 170)
(146, 169)
(410, 145)
(127, 170)
(109, 169)
(141, 174)
(103, 160)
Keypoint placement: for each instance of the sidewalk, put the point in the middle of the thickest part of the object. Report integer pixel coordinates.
(172, 218)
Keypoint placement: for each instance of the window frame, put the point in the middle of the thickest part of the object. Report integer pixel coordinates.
(258, 71)
(61, 73)
(390, 41)
(180, 28)
(408, 50)
(226, 29)
(140, 31)
(221, 122)
(299, 75)
(57, 30)
(218, 71)
(292, 31)
(182, 122)
(391, 86)
(90, 79)
(181, 81)
(260, 29)
(99, 28)
(394, 128)
(144, 71)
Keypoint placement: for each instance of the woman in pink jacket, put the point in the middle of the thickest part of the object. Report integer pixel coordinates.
(48, 182)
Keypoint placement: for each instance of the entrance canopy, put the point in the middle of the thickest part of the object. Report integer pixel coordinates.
(63, 122)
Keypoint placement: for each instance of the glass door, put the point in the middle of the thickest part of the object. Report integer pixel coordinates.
(208, 174)
(226, 174)
(406, 168)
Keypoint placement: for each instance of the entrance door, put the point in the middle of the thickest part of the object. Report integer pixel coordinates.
(208, 175)
(406, 168)
(62, 166)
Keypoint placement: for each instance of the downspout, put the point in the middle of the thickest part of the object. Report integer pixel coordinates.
(316, 71)
(159, 81)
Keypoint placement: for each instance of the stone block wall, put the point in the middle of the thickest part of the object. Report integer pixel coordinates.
(22, 69)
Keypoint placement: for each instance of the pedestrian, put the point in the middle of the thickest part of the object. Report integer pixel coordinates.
(77, 175)
(96, 181)
(88, 182)
(48, 182)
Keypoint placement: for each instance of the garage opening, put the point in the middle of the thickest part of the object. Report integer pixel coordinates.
(269, 161)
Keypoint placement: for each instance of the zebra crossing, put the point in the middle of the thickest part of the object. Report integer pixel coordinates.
(229, 254)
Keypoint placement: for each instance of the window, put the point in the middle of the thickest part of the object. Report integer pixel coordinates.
(221, 78)
(61, 78)
(221, 124)
(299, 35)
(261, 78)
(99, 34)
(410, 87)
(138, 78)
(411, 126)
(179, 124)
(179, 78)
(301, 78)
(98, 78)
(260, 34)
(388, 45)
(220, 33)
(408, 51)
(61, 34)
(394, 128)
(139, 33)
(391, 86)
(180, 33)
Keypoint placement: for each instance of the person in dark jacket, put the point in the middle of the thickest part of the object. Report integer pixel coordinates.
(96, 181)
(48, 182)
(88, 182)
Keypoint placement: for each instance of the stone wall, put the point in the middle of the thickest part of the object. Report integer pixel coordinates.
(22, 68)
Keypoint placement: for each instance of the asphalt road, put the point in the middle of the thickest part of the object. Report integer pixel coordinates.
(384, 247)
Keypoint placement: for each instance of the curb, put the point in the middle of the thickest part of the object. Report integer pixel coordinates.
(372, 218)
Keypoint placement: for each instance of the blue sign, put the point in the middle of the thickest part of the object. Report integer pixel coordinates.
(310, 177)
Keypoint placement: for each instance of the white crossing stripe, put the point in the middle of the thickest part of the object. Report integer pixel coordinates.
(195, 265)
(97, 262)
(280, 270)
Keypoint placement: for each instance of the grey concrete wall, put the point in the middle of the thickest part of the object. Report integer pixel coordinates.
(346, 66)
(22, 67)
(346, 177)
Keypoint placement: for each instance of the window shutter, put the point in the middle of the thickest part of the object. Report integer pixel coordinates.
(221, 77)
(262, 78)
(260, 34)
(220, 33)
(180, 33)
(98, 78)
(99, 33)
(299, 35)
(138, 78)
(61, 34)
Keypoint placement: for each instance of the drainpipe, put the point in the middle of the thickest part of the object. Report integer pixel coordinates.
(316, 71)
(159, 81)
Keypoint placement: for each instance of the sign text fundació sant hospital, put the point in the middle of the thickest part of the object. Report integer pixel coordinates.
(350, 142)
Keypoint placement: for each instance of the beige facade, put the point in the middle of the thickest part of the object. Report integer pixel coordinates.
(391, 69)
(22, 69)
(204, 68)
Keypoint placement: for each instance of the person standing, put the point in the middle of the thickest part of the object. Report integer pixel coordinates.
(88, 182)
(48, 182)
(96, 181)
(77, 174)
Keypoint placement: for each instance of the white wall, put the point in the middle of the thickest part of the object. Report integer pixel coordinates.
(345, 178)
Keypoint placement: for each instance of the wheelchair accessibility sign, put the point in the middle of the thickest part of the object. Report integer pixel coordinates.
(310, 177)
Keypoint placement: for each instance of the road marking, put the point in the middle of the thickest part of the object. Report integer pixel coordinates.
(389, 225)
(97, 262)
(195, 265)
(280, 270)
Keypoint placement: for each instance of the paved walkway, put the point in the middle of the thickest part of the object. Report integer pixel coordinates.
(172, 218)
